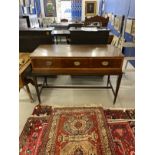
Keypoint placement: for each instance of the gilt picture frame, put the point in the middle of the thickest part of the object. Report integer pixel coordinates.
(90, 8)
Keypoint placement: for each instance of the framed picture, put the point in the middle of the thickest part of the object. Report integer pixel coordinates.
(133, 28)
(50, 8)
(128, 26)
(118, 23)
(90, 8)
(23, 23)
(112, 20)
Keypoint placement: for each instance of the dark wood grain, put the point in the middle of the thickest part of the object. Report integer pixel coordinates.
(30, 39)
(80, 36)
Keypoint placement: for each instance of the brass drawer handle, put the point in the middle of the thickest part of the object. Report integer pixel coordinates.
(76, 63)
(48, 63)
(105, 63)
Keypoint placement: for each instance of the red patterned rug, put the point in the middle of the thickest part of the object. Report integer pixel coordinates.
(122, 128)
(119, 113)
(123, 138)
(30, 140)
(77, 131)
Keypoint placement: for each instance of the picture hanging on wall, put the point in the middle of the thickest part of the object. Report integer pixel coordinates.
(118, 23)
(133, 27)
(90, 8)
(50, 8)
(128, 26)
(112, 20)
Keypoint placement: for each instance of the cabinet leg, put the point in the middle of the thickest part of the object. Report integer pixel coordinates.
(29, 93)
(36, 87)
(108, 80)
(45, 80)
(117, 87)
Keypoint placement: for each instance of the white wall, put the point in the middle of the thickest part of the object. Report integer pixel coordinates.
(58, 8)
(42, 8)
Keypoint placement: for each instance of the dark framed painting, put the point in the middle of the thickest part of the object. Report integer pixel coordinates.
(50, 8)
(90, 8)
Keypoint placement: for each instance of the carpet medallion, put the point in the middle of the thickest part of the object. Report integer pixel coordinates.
(78, 131)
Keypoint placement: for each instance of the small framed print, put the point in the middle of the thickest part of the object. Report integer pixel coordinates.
(50, 8)
(112, 20)
(118, 23)
(110, 16)
(133, 28)
(90, 8)
(128, 26)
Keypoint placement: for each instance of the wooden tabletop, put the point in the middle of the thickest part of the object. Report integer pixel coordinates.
(76, 51)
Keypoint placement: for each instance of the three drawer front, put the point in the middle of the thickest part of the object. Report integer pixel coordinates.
(77, 63)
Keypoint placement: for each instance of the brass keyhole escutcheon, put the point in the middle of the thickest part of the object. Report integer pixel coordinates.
(76, 63)
(105, 63)
(48, 63)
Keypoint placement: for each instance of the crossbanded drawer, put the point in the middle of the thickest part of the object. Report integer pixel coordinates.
(106, 63)
(75, 63)
(45, 63)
